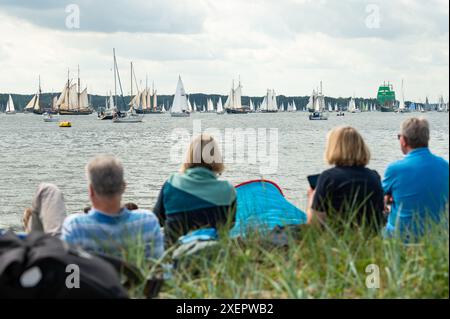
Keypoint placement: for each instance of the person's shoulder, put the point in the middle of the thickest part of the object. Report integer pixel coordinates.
(76, 218)
(143, 215)
(440, 160)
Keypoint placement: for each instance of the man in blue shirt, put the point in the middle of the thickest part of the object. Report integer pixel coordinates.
(416, 187)
(107, 227)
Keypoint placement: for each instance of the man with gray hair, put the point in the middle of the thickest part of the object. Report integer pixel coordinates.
(416, 187)
(108, 227)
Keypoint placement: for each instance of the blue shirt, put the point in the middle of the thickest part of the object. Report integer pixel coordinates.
(115, 235)
(419, 186)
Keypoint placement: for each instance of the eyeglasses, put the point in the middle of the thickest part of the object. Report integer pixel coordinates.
(399, 136)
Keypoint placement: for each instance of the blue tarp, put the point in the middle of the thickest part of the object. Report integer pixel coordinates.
(262, 207)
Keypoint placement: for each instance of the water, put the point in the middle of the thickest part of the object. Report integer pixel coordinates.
(33, 152)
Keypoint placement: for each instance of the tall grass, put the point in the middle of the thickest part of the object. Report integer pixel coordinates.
(318, 263)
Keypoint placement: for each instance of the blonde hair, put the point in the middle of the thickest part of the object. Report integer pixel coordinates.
(204, 151)
(346, 147)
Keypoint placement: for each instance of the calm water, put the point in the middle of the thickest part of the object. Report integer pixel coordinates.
(33, 151)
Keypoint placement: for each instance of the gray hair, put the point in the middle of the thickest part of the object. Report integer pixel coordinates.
(105, 174)
(416, 131)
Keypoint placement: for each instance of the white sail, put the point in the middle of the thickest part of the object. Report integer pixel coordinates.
(73, 97)
(179, 104)
(136, 100)
(155, 100)
(402, 99)
(230, 98)
(219, 106)
(294, 107)
(330, 107)
(63, 97)
(54, 103)
(210, 105)
(252, 106)
(352, 105)
(10, 105)
(84, 99)
(189, 108)
(110, 106)
(30, 106)
(311, 101)
(238, 97)
(274, 101)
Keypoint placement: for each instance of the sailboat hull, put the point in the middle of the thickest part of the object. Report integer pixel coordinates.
(237, 111)
(184, 114)
(10, 112)
(149, 111)
(81, 112)
(269, 111)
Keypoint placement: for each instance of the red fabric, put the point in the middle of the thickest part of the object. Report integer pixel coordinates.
(261, 181)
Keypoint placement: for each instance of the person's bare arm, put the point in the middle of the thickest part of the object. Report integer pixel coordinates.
(313, 216)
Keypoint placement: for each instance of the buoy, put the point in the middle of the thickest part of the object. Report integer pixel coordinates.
(65, 124)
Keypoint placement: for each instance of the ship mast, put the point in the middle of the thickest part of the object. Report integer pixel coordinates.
(79, 85)
(115, 81)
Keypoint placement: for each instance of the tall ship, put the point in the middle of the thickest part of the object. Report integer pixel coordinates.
(386, 97)
(35, 104)
(317, 103)
(269, 103)
(72, 101)
(233, 104)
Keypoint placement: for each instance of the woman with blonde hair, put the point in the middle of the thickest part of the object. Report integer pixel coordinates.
(349, 191)
(195, 198)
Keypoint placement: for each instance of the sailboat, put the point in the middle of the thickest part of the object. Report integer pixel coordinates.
(352, 106)
(318, 102)
(71, 101)
(210, 106)
(10, 106)
(252, 106)
(402, 107)
(34, 105)
(180, 102)
(110, 109)
(220, 109)
(269, 103)
(441, 106)
(233, 104)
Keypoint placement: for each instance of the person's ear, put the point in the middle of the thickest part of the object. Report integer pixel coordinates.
(91, 191)
(403, 141)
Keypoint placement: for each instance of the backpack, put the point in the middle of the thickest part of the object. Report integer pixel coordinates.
(42, 266)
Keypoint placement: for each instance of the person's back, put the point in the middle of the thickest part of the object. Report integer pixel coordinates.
(350, 190)
(195, 198)
(108, 227)
(418, 184)
(115, 235)
(349, 193)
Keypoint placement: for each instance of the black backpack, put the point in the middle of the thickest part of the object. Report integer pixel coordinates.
(41, 266)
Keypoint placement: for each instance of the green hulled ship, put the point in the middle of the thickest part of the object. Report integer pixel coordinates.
(386, 98)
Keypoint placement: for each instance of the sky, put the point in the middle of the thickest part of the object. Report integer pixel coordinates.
(352, 46)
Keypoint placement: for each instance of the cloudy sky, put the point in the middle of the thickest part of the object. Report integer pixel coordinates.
(288, 45)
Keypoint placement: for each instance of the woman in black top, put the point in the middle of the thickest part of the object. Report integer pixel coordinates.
(349, 192)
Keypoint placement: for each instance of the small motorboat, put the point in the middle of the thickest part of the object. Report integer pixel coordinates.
(340, 113)
(128, 117)
(318, 116)
(50, 118)
(65, 124)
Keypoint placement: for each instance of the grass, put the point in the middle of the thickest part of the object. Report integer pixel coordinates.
(318, 263)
